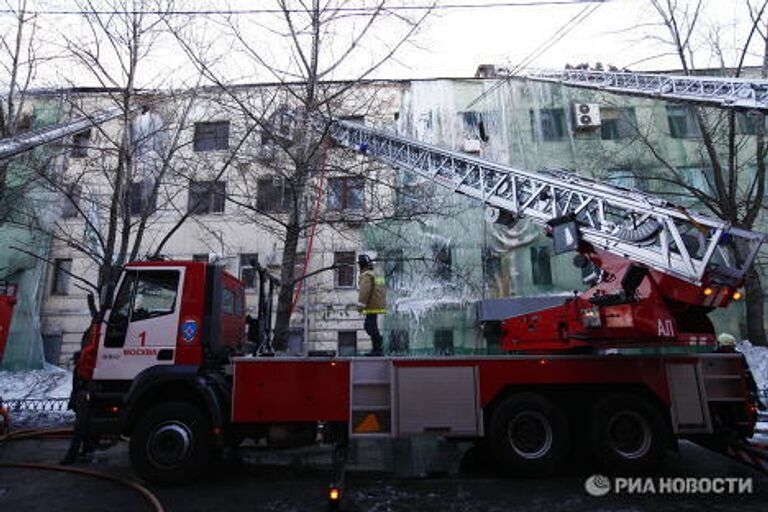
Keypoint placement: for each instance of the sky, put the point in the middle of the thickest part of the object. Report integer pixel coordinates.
(451, 42)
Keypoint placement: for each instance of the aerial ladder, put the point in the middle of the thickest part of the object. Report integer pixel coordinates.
(660, 267)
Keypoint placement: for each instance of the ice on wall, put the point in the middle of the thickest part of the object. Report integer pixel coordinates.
(757, 358)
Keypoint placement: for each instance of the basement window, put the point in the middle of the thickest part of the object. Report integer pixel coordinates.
(443, 342)
(347, 341)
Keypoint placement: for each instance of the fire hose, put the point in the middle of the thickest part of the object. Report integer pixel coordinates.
(59, 433)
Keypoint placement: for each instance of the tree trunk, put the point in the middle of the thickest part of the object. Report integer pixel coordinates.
(285, 293)
(755, 308)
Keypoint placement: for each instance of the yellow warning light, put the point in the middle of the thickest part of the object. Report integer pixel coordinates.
(708, 291)
(334, 494)
(737, 295)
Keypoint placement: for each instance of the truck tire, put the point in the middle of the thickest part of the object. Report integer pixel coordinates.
(628, 434)
(172, 443)
(529, 435)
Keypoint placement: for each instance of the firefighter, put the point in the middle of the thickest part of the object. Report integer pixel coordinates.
(80, 443)
(372, 302)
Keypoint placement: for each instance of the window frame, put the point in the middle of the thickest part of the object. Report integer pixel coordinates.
(213, 140)
(244, 260)
(345, 193)
(559, 124)
(536, 253)
(215, 194)
(346, 255)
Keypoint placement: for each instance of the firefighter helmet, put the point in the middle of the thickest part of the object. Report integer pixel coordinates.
(364, 260)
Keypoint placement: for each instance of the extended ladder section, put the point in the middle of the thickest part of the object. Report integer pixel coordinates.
(623, 221)
(28, 140)
(723, 92)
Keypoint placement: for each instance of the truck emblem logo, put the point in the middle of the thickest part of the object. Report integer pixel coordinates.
(189, 330)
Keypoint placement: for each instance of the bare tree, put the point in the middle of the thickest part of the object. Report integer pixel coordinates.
(733, 144)
(322, 40)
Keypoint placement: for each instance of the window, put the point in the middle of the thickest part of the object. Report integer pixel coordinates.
(228, 301)
(71, 201)
(80, 143)
(474, 125)
(212, 136)
(272, 195)
(682, 122)
(207, 197)
(695, 178)
(443, 262)
(143, 198)
(410, 194)
(120, 313)
(621, 177)
(345, 273)
(354, 119)
(347, 343)
(443, 342)
(541, 269)
(145, 294)
(548, 124)
(201, 257)
(747, 123)
(155, 294)
(61, 275)
(617, 123)
(247, 269)
(491, 264)
(346, 194)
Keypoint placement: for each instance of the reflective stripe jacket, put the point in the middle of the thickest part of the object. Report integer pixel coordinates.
(373, 293)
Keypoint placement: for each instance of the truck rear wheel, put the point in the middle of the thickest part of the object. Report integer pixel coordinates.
(172, 443)
(529, 435)
(628, 434)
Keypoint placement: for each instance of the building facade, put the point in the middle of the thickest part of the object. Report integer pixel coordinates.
(436, 251)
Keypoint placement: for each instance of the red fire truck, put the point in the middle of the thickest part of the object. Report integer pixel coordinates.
(628, 367)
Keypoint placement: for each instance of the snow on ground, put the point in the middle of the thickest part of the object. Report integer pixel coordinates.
(50, 382)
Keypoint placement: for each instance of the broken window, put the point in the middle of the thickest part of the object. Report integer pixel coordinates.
(347, 341)
(443, 342)
(617, 123)
(273, 195)
(207, 197)
(548, 124)
(682, 122)
(80, 143)
(474, 125)
(346, 194)
(345, 273)
(61, 276)
(248, 269)
(541, 269)
(211, 136)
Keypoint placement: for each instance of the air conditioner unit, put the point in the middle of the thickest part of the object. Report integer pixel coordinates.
(587, 115)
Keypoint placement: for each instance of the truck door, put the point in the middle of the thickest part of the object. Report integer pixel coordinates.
(141, 328)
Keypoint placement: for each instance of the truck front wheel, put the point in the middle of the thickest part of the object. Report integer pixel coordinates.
(628, 434)
(529, 435)
(172, 443)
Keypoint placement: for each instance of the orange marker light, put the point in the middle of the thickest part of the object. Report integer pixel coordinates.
(737, 295)
(708, 291)
(334, 494)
